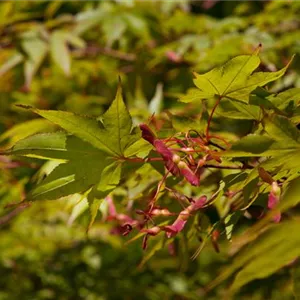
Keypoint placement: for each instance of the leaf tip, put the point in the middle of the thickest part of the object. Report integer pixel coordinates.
(119, 90)
(195, 74)
(257, 49)
(290, 61)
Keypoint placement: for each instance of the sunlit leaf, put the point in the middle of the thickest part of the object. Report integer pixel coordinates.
(234, 80)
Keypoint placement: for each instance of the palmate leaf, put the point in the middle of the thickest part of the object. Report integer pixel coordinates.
(91, 157)
(233, 80)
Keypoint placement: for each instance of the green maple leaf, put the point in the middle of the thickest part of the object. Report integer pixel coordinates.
(233, 80)
(91, 157)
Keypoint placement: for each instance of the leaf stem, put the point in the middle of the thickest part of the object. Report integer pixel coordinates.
(229, 167)
(216, 145)
(210, 118)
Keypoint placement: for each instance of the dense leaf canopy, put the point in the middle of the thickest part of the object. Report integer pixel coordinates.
(149, 149)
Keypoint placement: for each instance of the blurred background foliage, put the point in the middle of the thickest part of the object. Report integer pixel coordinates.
(68, 55)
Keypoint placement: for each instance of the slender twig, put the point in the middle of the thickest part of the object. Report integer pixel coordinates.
(216, 145)
(153, 200)
(210, 118)
(229, 167)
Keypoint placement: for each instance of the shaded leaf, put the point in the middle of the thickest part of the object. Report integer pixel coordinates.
(94, 203)
(184, 124)
(286, 160)
(70, 178)
(253, 143)
(282, 129)
(282, 99)
(238, 110)
(82, 168)
(258, 145)
(110, 177)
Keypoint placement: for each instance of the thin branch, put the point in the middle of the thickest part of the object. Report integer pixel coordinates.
(216, 145)
(210, 118)
(229, 167)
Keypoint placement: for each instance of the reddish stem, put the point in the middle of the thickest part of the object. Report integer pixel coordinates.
(210, 118)
(153, 200)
